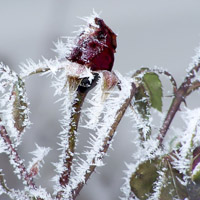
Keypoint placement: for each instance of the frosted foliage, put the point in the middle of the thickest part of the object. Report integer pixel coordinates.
(158, 185)
(7, 80)
(146, 150)
(12, 90)
(149, 150)
(139, 122)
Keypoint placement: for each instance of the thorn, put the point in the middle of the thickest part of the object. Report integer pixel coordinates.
(184, 102)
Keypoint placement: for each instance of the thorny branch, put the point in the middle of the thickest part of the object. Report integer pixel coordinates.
(183, 91)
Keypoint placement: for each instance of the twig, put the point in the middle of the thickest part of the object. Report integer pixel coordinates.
(107, 140)
(184, 90)
(14, 156)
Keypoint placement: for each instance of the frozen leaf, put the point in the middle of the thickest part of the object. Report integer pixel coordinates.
(173, 186)
(142, 102)
(20, 114)
(141, 106)
(153, 86)
(142, 180)
(110, 80)
(157, 179)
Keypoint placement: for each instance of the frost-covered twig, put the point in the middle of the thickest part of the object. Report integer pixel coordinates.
(16, 160)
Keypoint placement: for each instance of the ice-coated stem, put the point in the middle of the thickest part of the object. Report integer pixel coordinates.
(64, 178)
(107, 140)
(14, 156)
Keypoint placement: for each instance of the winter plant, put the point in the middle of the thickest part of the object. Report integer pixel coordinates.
(163, 167)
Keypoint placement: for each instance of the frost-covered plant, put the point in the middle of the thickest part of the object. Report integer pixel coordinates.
(162, 168)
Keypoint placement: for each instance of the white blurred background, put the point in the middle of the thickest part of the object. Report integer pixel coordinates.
(152, 33)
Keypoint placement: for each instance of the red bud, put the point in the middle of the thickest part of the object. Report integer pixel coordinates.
(95, 48)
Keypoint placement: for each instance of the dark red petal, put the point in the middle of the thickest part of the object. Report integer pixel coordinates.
(95, 50)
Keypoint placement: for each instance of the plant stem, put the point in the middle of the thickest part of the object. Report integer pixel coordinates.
(107, 141)
(14, 156)
(64, 179)
(184, 90)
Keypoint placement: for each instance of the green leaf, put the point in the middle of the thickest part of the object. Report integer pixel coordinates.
(142, 102)
(19, 105)
(143, 181)
(172, 187)
(153, 86)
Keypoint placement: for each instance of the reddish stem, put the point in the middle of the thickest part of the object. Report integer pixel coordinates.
(180, 95)
(16, 158)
